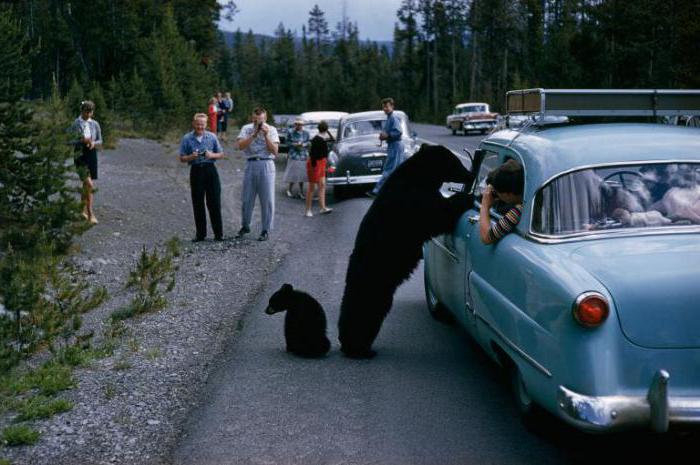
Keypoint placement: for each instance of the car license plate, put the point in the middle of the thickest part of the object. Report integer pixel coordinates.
(375, 163)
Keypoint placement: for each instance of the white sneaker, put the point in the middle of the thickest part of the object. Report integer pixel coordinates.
(326, 210)
(308, 214)
(289, 194)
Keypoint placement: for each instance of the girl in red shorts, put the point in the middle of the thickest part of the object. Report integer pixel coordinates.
(316, 168)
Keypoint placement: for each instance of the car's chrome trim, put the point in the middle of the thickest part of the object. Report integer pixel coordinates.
(626, 232)
(373, 155)
(657, 410)
(347, 180)
(442, 247)
(590, 235)
(534, 363)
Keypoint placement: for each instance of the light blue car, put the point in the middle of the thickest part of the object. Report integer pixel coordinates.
(593, 303)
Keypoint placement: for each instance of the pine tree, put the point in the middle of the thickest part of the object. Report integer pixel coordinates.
(318, 26)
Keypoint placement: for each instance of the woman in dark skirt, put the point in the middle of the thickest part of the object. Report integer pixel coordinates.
(87, 139)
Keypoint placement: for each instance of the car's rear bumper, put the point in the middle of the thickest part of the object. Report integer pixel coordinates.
(348, 179)
(656, 411)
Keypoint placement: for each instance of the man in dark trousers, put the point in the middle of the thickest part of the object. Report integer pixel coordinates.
(200, 149)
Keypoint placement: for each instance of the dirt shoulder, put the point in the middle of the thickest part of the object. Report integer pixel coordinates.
(128, 408)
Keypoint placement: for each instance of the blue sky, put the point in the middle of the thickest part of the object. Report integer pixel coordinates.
(375, 18)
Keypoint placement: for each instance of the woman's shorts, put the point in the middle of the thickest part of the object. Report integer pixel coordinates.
(88, 160)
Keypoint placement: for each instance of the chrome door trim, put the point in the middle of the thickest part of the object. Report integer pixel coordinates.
(442, 247)
(534, 363)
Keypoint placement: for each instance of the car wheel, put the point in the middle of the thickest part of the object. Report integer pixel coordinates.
(436, 309)
(454, 132)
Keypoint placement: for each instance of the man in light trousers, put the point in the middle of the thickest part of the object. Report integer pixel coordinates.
(391, 133)
(259, 143)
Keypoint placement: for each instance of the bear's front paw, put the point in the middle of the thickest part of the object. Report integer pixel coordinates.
(358, 353)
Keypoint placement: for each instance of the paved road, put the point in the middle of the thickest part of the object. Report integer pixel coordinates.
(430, 397)
(441, 135)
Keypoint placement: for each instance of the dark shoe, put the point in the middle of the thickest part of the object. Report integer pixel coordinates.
(198, 239)
(242, 232)
(219, 238)
(264, 236)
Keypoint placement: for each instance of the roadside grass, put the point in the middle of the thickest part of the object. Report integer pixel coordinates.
(19, 435)
(41, 407)
(152, 277)
(153, 354)
(122, 364)
(30, 392)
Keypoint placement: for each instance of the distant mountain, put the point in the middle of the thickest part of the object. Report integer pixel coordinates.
(261, 39)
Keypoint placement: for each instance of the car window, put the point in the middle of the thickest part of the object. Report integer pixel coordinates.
(629, 196)
(473, 109)
(362, 128)
(489, 163)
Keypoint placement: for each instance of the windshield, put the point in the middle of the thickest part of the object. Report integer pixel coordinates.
(630, 196)
(472, 109)
(367, 127)
(313, 125)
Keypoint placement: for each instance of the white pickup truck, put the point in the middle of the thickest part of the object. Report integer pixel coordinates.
(472, 117)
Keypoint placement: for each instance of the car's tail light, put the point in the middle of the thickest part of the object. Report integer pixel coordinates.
(591, 309)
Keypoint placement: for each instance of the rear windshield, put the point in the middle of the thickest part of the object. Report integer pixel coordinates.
(630, 196)
(472, 109)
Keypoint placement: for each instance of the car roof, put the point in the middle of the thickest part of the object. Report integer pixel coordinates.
(547, 152)
(321, 115)
(460, 105)
(378, 114)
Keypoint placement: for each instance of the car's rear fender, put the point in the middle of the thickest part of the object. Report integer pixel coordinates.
(522, 298)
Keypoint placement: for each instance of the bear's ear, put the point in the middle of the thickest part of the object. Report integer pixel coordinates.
(287, 287)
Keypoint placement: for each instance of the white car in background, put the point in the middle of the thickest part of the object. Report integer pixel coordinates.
(313, 118)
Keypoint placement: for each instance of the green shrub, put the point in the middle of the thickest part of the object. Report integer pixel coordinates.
(51, 378)
(19, 435)
(41, 407)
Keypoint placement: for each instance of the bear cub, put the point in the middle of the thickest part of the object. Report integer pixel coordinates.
(304, 323)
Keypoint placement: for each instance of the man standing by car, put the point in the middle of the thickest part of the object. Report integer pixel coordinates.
(200, 149)
(260, 144)
(391, 133)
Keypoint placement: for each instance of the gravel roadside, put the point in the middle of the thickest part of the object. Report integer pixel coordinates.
(128, 408)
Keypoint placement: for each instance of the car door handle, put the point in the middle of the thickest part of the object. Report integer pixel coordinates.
(473, 219)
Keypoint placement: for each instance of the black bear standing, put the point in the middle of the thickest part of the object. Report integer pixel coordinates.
(304, 324)
(408, 211)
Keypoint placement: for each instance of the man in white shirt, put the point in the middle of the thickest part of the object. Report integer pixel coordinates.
(260, 144)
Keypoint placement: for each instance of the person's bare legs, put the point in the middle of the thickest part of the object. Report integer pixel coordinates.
(88, 187)
(309, 197)
(322, 193)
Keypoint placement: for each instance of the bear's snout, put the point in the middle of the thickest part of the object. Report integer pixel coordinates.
(270, 311)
